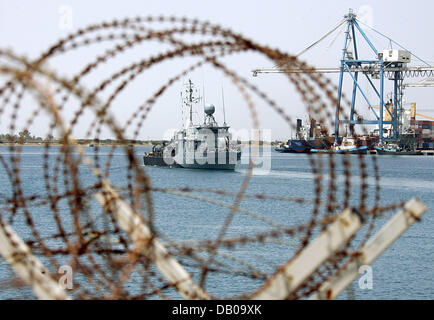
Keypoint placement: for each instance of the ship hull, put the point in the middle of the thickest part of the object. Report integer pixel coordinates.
(381, 151)
(210, 160)
(207, 166)
(193, 164)
(158, 162)
(361, 150)
(289, 150)
(303, 146)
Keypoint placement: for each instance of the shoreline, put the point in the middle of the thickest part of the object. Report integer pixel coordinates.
(92, 144)
(31, 144)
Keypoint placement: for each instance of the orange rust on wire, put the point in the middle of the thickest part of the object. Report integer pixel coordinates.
(107, 258)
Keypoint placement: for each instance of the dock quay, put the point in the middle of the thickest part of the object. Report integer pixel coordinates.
(424, 152)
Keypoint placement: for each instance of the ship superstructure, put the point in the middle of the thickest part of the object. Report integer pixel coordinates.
(198, 146)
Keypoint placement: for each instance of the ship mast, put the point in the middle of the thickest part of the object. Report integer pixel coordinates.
(189, 97)
(203, 100)
(190, 100)
(224, 114)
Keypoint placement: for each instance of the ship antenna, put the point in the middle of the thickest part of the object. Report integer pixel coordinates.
(190, 87)
(203, 99)
(182, 110)
(224, 114)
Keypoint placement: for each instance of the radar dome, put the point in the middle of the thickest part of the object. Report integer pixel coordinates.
(209, 109)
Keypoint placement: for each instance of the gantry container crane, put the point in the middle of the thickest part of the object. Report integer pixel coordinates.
(391, 64)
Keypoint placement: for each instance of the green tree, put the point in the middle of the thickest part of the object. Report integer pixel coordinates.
(24, 136)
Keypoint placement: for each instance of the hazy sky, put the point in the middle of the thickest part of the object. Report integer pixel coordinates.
(29, 27)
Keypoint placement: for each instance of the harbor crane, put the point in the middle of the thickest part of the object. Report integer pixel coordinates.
(427, 82)
(391, 64)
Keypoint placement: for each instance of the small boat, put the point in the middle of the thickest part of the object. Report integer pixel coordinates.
(348, 145)
(396, 150)
(293, 146)
(303, 146)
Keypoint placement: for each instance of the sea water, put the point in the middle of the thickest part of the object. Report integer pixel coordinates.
(404, 271)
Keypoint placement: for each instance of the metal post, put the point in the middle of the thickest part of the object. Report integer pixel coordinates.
(366, 38)
(380, 123)
(377, 244)
(399, 100)
(132, 223)
(295, 272)
(27, 266)
(356, 76)
(341, 76)
(395, 105)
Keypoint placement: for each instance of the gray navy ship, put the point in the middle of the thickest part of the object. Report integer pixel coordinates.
(197, 146)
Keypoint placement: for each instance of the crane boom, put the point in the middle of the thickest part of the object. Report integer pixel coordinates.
(424, 116)
(428, 82)
(415, 71)
(417, 114)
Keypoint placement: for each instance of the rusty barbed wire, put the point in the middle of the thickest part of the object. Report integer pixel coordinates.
(86, 236)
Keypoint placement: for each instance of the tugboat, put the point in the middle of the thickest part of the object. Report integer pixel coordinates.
(348, 145)
(205, 146)
(293, 146)
(394, 149)
(308, 136)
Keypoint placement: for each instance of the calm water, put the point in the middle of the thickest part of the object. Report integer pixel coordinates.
(404, 271)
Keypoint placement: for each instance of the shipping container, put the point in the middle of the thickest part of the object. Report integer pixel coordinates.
(426, 126)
